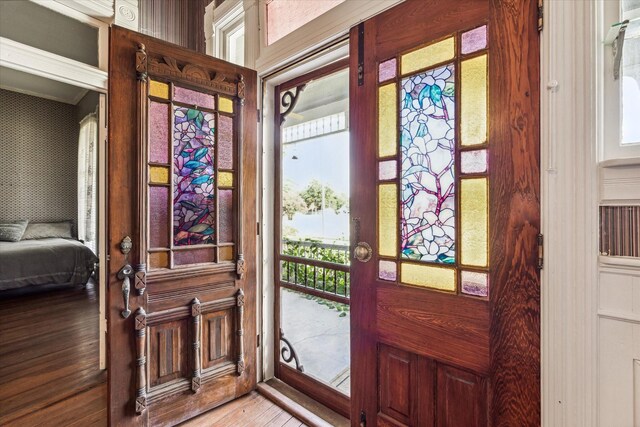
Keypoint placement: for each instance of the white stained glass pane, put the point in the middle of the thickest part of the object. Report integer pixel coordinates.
(630, 75)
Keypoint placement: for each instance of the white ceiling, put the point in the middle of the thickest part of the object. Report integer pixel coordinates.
(30, 84)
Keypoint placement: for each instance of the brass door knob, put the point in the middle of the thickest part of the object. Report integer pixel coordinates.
(363, 252)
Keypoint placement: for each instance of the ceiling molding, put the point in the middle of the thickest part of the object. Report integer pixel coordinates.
(74, 101)
(96, 8)
(31, 60)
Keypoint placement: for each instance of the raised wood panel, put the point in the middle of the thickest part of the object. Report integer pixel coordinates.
(461, 398)
(395, 384)
(168, 352)
(218, 338)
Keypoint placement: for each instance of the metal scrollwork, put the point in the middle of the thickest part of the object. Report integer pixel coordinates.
(288, 353)
(289, 101)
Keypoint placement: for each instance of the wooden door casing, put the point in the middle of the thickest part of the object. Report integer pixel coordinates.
(196, 315)
(480, 357)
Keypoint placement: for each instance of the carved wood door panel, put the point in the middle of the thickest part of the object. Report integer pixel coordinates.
(182, 192)
(445, 171)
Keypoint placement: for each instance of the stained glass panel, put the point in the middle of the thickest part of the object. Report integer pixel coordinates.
(388, 270)
(194, 256)
(158, 132)
(474, 283)
(387, 219)
(225, 142)
(474, 40)
(225, 179)
(387, 113)
(225, 105)
(159, 260)
(473, 221)
(429, 276)
(473, 105)
(158, 89)
(192, 97)
(158, 175)
(226, 253)
(473, 161)
(225, 216)
(427, 56)
(387, 170)
(427, 172)
(387, 70)
(159, 217)
(193, 199)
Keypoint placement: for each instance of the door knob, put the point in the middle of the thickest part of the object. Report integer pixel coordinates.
(363, 252)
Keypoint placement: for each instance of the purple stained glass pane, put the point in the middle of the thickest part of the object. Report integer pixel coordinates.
(474, 283)
(427, 111)
(193, 256)
(158, 217)
(388, 270)
(225, 142)
(158, 132)
(225, 216)
(194, 187)
(387, 70)
(193, 97)
(473, 161)
(474, 40)
(387, 170)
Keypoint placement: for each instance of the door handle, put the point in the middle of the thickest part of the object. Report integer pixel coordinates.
(363, 252)
(125, 275)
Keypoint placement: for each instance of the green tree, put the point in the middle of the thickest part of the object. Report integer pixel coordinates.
(292, 202)
(312, 196)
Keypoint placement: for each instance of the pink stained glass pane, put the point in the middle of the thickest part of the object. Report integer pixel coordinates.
(387, 170)
(194, 256)
(194, 187)
(388, 270)
(473, 161)
(225, 142)
(158, 132)
(225, 216)
(475, 283)
(193, 97)
(474, 40)
(285, 16)
(387, 70)
(158, 217)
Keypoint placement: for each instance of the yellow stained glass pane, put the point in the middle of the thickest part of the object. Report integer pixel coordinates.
(429, 276)
(158, 89)
(387, 120)
(473, 106)
(159, 259)
(388, 220)
(427, 56)
(225, 105)
(474, 204)
(158, 174)
(226, 253)
(225, 179)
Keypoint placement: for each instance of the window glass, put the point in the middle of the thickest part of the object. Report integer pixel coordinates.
(285, 16)
(630, 75)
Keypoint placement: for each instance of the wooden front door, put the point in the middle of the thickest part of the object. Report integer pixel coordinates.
(445, 191)
(182, 203)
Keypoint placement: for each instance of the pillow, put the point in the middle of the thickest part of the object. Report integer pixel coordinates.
(13, 231)
(45, 230)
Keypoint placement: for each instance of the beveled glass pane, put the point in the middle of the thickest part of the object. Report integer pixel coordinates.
(158, 217)
(158, 175)
(225, 179)
(427, 56)
(474, 40)
(387, 124)
(158, 260)
(225, 105)
(429, 276)
(194, 256)
(387, 70)
(428, 159)
(387, 219)
(474, 283)
(474, 221)
(226, 253)
(225, 142)
(387, 170)
(194, 189)
(473, 108)
(192, 97)
(473, 161)
(158, 89)
(388, 270)
(158, 132)
(225, 216)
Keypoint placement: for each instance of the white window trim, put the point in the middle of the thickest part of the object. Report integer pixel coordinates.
(218, 22)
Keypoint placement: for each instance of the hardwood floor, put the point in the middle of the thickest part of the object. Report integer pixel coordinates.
(49, 359)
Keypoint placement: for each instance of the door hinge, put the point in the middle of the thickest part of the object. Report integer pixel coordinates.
(363, 419)
(258, 340)
(258, 228)
(540, 251)
(361, 54)
(540, 15)
(259, 118)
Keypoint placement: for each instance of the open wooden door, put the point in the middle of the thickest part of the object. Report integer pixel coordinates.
(182, 203)
(445, 203)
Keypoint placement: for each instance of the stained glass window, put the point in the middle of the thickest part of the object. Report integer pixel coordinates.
(433, 165)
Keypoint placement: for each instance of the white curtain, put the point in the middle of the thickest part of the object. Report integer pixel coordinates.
(88, 181)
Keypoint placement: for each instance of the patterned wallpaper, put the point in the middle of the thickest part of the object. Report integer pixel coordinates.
(38, 158)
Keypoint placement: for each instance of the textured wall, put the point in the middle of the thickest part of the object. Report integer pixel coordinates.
(38, 158)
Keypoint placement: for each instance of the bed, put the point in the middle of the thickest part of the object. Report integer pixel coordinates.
(45, 261)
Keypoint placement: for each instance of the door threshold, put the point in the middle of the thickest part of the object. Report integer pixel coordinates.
(300, 405)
